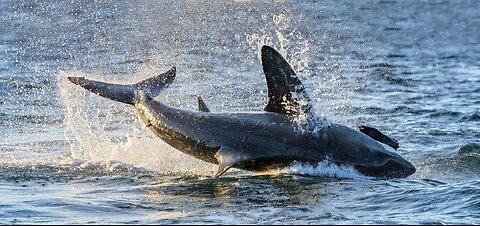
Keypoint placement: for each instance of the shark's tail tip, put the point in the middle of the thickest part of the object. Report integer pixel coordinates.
(77, 80)
(127, 93)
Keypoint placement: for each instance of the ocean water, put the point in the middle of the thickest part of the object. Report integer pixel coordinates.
(409, 68)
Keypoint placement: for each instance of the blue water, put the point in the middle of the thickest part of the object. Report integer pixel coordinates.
(409, 68)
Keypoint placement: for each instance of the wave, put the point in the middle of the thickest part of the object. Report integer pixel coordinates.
(441, 113)
(463, 165)
(394, 79)
(67, 168)
(470, 149)
(400, 109)
(70, 168)
(396, 56)
(472, 117)
(35, 119)
(376, 65)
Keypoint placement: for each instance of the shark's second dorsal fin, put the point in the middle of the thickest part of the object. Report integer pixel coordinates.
(201, 105)
(286, 94)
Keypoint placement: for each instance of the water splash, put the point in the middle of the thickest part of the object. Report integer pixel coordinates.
(291, 44)
(324, 169)
(288, 42)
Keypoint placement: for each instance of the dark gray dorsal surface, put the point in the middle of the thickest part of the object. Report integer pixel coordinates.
(286, 94)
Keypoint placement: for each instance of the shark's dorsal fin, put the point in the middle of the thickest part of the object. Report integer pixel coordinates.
(286, 94)
(201, 105)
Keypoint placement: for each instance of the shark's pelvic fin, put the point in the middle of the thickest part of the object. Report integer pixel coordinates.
(286, 94)
(201, 105)
(227, 158)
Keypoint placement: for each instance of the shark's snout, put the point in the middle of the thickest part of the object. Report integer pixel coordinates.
(393, 168)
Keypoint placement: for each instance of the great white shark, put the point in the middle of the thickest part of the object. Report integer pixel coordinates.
(258, 141)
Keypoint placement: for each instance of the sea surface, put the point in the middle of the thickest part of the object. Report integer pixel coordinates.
(409, 68)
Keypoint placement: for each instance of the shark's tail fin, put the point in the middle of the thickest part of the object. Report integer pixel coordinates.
(126, 93)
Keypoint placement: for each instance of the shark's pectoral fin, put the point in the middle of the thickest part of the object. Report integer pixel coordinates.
(227, 158)
(201, 105)
(378, 136)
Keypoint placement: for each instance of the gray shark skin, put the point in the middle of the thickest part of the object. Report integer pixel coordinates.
(255, 141)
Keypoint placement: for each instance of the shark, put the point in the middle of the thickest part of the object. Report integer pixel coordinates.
(259, 140)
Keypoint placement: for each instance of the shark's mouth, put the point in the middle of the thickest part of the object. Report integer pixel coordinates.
(391, 169)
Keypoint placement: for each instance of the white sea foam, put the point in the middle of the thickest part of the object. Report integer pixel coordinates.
(323, 169)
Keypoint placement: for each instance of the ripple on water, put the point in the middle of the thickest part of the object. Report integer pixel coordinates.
(471, 117)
